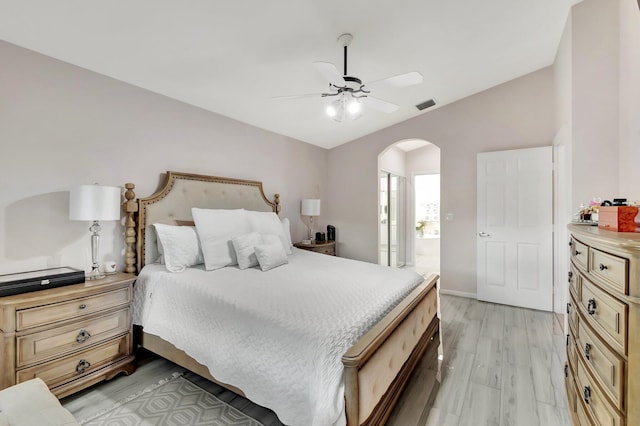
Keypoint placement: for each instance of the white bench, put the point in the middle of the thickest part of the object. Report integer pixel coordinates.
(31, 404)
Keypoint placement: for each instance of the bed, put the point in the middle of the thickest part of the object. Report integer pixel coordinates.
(373, 357)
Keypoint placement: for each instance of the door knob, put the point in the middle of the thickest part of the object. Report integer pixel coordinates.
(484, 234)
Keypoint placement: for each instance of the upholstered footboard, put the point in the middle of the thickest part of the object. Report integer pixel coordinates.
(378, 366)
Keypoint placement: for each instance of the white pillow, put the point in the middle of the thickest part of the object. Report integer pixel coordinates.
(268, 223)
(286, 228)
(271, 255)
(215, 229)
(244, 245)
(179, 246)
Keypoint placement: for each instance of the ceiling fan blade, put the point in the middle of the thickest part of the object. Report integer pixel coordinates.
(402, 80)
(330, 72)
(308, 95)
(380, 105)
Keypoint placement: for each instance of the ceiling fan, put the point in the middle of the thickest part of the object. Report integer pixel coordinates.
(350, 92)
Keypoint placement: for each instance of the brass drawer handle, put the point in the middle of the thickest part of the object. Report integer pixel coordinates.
(591, 306)
(82, 306)
(587, 394)
(82, 366)
(83, 336)
(587, 351)
(602, 267)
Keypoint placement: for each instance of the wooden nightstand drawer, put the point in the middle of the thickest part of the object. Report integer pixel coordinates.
(594, 401)
(48, 314)
(609, 270)
(47, 344)
(76, 365)
(605, 312)
(607, 367)
(323, 248)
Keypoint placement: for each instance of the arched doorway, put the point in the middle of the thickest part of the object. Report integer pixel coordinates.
(409, 210)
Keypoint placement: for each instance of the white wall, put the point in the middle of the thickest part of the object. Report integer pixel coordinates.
(595, 100)
(62, 126)
(393, 160)
(629, 99)
(517, 114)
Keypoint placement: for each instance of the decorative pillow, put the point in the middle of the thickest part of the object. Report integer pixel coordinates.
(244, 245)
(271, 255)
(286, 228)
(268, 223)
(215, 229)
(179, 246)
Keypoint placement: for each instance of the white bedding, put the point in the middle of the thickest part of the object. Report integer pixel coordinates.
(277, 335)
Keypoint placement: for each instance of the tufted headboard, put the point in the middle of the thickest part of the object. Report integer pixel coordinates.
(174, 201)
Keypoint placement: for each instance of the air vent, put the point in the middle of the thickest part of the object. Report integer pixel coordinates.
(426, 104)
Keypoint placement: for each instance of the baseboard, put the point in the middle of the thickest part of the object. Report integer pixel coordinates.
(458, 293)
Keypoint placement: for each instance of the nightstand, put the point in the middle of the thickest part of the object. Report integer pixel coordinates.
(71, 337)
(328, 247)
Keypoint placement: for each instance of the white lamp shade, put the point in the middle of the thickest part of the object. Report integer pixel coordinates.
(94, 202)
(310, 207)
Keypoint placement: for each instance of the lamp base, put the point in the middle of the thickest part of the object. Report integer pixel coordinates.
(95, 274)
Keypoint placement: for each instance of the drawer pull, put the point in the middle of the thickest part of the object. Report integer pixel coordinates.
(587, 351)
(82, 366)
(602, 267)
(566, 370)
(577, 253)
(83, 336)
(570, 243)
(568, 308)
(82, 306)
(570, 276)
(587, 394)
(591, 306)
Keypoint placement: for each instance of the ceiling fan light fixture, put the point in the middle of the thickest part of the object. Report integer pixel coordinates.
(354, 107)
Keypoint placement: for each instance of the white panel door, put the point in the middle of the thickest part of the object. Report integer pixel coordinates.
(514, 228)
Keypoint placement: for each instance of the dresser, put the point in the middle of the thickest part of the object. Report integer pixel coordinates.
(328, 247)
(602, 373)
(71, 337)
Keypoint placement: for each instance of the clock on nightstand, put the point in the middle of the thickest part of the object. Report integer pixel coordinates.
(328, 247)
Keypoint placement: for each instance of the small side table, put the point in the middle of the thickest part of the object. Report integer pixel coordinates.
(328, 247)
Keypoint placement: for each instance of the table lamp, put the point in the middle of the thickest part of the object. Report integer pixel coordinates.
(311, 208)
(94, 203)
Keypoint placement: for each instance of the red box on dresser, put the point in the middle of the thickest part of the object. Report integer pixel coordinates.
(619, 218)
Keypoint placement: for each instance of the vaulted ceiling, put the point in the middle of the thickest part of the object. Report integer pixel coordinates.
(233, 57)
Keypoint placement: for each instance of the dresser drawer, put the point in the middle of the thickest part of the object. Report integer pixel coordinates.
(581, 414)
(605, 312)
(605, 364)
(570, 387)
(55, 373)
(611, 271)
(574, 281)
(579, 253)
(48, 314)
(573, 312)
(572, 353)
(595, 402)
(47, 344)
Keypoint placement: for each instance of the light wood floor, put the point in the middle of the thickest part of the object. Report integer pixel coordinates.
(501, 366)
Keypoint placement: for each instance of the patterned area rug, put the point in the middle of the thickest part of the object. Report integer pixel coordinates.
(173, 401)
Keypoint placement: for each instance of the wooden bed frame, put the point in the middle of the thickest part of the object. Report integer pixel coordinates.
(377, 366)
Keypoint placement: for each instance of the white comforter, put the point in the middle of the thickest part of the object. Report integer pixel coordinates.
(277, 335)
